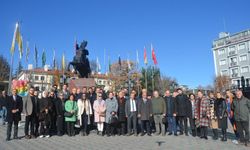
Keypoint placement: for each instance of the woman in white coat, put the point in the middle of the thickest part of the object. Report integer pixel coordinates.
(84, 113)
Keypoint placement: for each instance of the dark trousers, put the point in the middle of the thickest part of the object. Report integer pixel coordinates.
(70, 128)
(172, 124)
(198, 131)
(9, 128)
(32, 124)
(215, 133)
(233, 123)
(122, 128)
(44, 128)
(110, 129)
(53, 127)
(193, 126)
(143, 124)
(243, 126)
(60, 124)
(132, 120)
(204, 131)
(183, 124)
(84, 127)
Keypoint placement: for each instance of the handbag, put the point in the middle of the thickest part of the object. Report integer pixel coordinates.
(69, 114)
(164, 120)
(113, 120)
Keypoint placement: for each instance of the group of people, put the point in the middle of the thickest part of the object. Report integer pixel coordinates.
(122, 113)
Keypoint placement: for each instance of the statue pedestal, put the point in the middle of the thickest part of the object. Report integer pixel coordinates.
(81, 82)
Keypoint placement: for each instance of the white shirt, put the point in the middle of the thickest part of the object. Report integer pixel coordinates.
(132, 105)
(14, 97)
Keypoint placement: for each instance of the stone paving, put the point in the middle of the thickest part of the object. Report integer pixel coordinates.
(95, 142)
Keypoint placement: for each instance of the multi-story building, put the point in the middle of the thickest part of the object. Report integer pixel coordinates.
(232, 55)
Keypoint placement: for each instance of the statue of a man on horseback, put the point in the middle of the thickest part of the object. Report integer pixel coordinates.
(80, 61)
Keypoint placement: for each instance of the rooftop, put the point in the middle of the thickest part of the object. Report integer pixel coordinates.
(226, 39)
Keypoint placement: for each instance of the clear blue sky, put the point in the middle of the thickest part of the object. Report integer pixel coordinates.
(180, 30)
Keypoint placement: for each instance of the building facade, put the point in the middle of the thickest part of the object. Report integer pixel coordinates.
(45, 79)
(232, 55)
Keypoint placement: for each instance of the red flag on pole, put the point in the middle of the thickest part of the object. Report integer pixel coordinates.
(145, 56)
(153, 55)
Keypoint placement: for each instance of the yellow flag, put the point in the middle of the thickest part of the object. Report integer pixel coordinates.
(63, 62)
(12, 49)
(20, 45)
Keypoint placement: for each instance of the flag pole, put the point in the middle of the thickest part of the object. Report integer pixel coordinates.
(153, 87)
(10, 74)
(146, 78)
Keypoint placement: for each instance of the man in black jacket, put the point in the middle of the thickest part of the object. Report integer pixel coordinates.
(60, 114)
(171, 113)
(14, 107)
(182, 111)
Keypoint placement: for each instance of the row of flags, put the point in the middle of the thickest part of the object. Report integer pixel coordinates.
(153, 56)
(154, 59)
(17, 38)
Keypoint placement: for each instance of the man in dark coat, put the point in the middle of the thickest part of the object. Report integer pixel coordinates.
(171, 112)
(131, 109)
(92, 97)
(182, 111)
(53, 114)
(14, 107)
(144, 113)
(60, 114)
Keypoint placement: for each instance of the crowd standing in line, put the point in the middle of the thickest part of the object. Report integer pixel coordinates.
(49, 113)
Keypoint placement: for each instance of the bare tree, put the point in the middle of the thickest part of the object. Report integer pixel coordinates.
(221, 83)
(5, 68)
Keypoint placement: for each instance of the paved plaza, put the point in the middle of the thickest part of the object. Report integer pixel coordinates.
(94, 142)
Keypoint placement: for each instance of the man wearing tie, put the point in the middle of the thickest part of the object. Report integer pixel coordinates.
(131, 114)
(14, 107)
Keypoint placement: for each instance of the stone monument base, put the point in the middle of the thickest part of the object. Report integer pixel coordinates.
(81, 82)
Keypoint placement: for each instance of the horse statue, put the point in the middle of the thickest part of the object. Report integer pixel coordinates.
(80, 61)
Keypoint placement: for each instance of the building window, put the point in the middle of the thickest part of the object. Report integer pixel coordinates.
(234, 72)
(232, 50)
(221, 51)
(233, 61)
(234, 82)
(36, 78)
(224, 73)
(244, 69)
(42, 78)
(243, 57)
(223, 62)
(242, 46)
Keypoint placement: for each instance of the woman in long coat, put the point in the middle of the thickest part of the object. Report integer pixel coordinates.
(202, 114)
(99, 109)
(84, 113)
(213, 115)
(111, 112)
(121, 113)
(222, 115)
(45, 115)
(71, 107)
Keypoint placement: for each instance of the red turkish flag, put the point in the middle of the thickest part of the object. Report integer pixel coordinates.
(153, 55)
